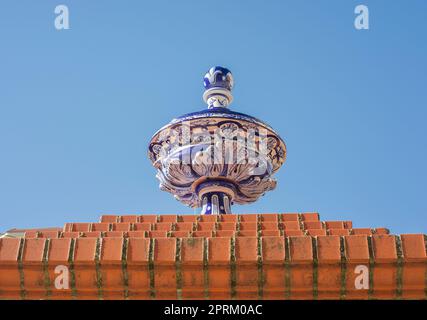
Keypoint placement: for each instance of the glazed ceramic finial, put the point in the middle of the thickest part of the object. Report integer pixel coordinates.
(218, 83)
(216, 157)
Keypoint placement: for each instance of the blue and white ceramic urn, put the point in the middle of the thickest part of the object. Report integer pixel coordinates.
(217, 157)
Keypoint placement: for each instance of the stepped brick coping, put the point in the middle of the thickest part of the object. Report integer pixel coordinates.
(252, 256)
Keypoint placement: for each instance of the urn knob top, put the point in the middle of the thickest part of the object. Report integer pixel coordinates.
(218, 83)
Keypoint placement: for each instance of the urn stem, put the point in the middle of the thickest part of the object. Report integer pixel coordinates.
(216, 203)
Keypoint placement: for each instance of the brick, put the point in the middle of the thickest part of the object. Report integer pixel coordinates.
(129, 219)
(270, 233)
(109, 218)
(59, 251)
(84, 268)
(9, 273)
(310, 216)
(111, 250)
(72, 234)
(226, 226)
(205, 234)
(225, 233)
(293, 233)
(384, 247)
(356, 249)
(171, 218)
(313, 225)
(246, 249)
(33, 250)
(248, 233)
(316, 232)
(162, 226)
(381, 231)
(123, 226)
(111, 268)
(49, 234)
(148, 218)
(157, 234)
(33, 267)
(184, 226)
(301, 249)
(9, 250)
(363, 231)
(245, 226)
(58, 255)
(219, 250)
(413, 280)
(301, 276)
(273, 256)
(138, 268)
(248, 218)
(103, 226)
(339, 232)
(208, 218)
(115, 234)
(138, 250)
(179, 234)
(164, 275)
(192, 268)
(329, 268)
(413, 247)
(414, 268)
(273, 249)
(206, 226)
(289, 217)
(142, 226)
(385, 271)
(80, 227)
(348, 224)
(192, 250)
(219, 270)
(85, 250)
(270, 226)
(334, 224)
(246, 254)
(291, 225)
(270, 217)
(91, 234)
(328, 249)
(164, 250)
(189, 218)
(31, 234)
(228, 218)
(136, 234)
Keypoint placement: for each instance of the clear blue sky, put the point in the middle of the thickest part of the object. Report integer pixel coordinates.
(79, 106)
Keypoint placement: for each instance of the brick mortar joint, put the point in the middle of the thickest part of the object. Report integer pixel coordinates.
(233, 275)
(399, 272)
(371, 267)
(46, 279)
(315, 267)
(124, 268)
(260, 267)
(178, 270)
(21, 268)
(206, 268)
(287, 268)
(343, 263)
(98, 249)
(151, 267)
